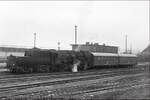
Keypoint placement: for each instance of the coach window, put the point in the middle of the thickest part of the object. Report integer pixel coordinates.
(107, 58)
(98, 58)
(104, 58)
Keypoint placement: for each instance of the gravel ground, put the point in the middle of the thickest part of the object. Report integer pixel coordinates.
(134, 93)
(139, 91)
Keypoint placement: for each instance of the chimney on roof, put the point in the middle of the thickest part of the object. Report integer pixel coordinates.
(87, 43)
(96, 44)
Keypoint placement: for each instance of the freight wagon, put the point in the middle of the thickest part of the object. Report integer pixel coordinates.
(37, 60)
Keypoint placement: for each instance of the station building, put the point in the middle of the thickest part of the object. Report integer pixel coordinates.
(95, 47)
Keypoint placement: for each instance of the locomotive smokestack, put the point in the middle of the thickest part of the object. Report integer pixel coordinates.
(75, 34)
(34, 40)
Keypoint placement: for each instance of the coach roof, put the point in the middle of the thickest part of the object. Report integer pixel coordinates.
(104, 54)
(127, 55)
(113, 54)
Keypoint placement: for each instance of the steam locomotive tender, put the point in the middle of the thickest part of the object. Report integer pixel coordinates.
(38, 60)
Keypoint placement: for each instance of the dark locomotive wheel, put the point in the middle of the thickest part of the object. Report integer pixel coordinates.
(85, 66)
(82, 66)
(42, 68)
(12, 70)
(30, 70)
(54, 68)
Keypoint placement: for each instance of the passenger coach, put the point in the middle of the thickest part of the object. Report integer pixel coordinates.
(112, 59)
(105, 59)
(127, 59)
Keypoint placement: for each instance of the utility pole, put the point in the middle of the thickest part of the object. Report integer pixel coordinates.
(34, 40)
(131, 48)
(75, 34)
(126, 44)
(58, 45)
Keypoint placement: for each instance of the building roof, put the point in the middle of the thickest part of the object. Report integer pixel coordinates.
(13, 49)
(92, 44)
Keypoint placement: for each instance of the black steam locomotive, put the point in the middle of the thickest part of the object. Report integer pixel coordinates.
(38, 60)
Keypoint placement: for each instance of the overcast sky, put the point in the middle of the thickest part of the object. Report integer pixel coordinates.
(98, 21)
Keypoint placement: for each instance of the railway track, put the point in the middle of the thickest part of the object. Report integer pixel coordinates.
(56, 79)
(82, 87)
(79, 90)
(90, 93)
(12, 75)
(40, 79)
(12, 89)
(32, 77)
(76, 90)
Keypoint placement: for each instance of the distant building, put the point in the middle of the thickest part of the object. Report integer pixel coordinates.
(95, 47)
(6, 51)
(144, 56)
